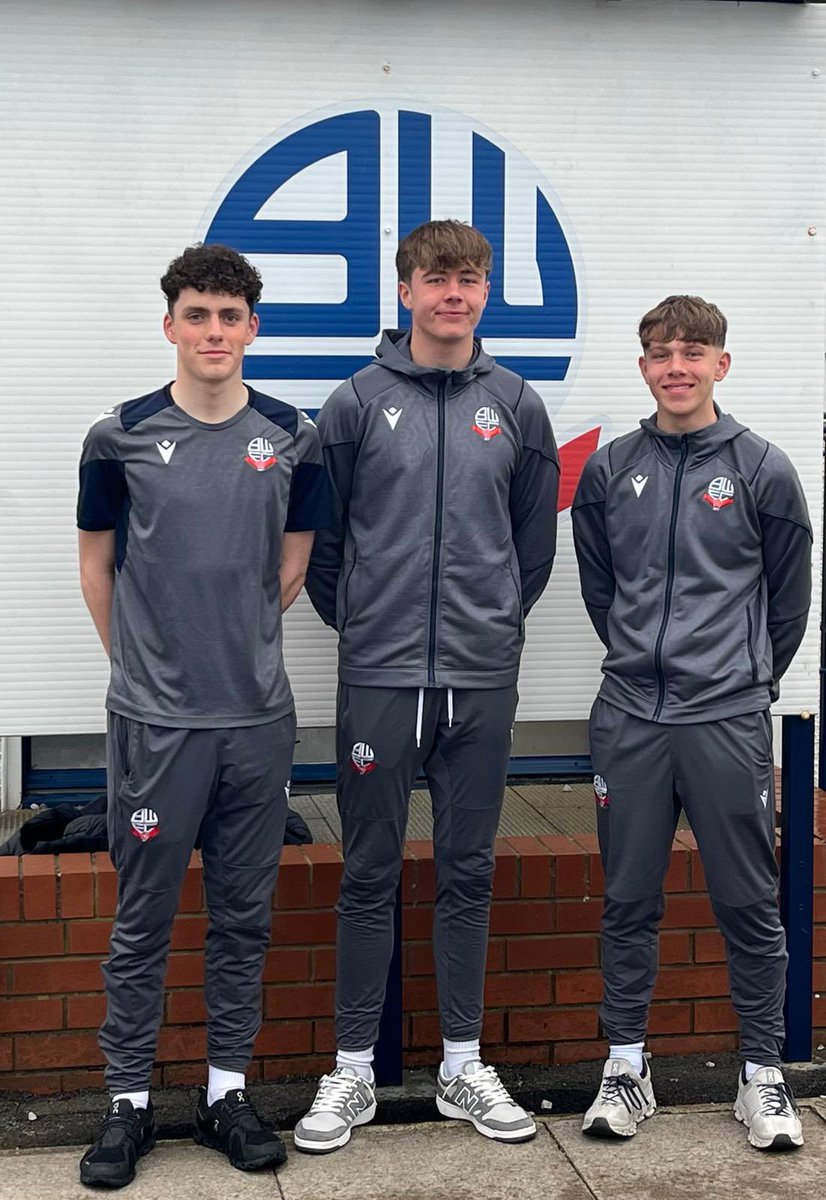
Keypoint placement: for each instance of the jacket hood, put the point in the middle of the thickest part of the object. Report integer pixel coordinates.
(393, 352)
(702, 443)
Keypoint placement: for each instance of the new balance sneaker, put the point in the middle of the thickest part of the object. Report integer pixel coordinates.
(233, 1126)
(625, 1098)
(125, 1135)
(766, 1106)
(342, 1101)
(480, 1097)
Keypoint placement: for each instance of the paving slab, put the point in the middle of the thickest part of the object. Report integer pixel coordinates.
(425, 1162)
(173, 1171)
(695, 1155)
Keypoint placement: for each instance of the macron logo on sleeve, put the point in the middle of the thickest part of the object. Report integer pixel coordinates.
(166, 449)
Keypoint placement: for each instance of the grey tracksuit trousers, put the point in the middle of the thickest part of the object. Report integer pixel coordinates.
(465, 741)
(721, 773)
(166, 785)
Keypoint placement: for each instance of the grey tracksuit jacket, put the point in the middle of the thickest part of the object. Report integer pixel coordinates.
(444, 492)
(694, 555)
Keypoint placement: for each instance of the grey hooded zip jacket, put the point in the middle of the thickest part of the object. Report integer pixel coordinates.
(694, 556)
(444, 530)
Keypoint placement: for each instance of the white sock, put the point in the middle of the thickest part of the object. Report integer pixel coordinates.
(632, 1054)
(360, 1061)
(458, 1055)
(750, 1068)
(220, 1082)
(136, 1099)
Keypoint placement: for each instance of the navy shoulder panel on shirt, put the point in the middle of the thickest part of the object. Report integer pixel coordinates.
(135, 411)
(284, 415)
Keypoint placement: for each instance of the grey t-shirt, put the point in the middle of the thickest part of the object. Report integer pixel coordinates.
(198, 512)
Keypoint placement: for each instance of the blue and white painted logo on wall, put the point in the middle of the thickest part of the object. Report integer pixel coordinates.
(321, 209)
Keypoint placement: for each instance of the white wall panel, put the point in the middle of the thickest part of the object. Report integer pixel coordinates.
(682, 145)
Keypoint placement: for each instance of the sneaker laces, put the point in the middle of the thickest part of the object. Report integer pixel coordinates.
(622, 1089)
(241, 1111)
(130, 1121)
(777, 1099)
(333, 1093)
(490, 1087)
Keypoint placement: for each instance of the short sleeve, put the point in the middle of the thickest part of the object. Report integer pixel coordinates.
(310, 491)
(102, 494)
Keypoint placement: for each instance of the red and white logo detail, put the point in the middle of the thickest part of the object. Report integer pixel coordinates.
(601, 792)
(720, 493)
(362, 758)
(145, 824)
(486, 423)
(260, 454)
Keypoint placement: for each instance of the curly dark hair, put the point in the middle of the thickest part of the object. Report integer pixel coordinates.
(212, 268)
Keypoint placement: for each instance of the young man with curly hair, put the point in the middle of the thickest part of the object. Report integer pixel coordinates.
(694, 550)
(197, 510)
(445, 477)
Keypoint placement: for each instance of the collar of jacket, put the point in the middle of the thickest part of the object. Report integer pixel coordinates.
(702, 443)
(393, 352)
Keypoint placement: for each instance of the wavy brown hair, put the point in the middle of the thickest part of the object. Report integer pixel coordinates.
(685, 319)
(443, 246)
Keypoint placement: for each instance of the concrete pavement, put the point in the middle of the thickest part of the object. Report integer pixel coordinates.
(691, 1153)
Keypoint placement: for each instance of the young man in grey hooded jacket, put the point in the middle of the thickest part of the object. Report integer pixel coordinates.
(445, 478)
(694, 550)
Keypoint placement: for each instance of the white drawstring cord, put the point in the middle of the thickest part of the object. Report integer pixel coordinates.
(450, 708)
(419, 714)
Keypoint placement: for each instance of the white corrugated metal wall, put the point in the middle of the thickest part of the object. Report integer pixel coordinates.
(679, 144)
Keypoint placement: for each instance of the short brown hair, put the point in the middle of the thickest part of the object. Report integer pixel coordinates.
(684, 318)
(441, 246)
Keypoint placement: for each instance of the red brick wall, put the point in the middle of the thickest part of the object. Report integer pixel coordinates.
(543, 969)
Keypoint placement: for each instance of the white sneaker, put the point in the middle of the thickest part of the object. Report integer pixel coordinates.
(479, 1096)
(767, 1107)
(625, 1098)
(343, 1100)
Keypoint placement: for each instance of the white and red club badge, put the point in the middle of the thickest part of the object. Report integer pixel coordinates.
(362, 758)
(486, 423)
(720, 493)
(260, 454)
(145, 824)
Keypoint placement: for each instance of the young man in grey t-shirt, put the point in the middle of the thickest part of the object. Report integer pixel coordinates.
(197, 510)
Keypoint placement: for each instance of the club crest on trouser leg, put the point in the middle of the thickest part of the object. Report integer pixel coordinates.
(145, 824)
(601, 792)
(362, 758)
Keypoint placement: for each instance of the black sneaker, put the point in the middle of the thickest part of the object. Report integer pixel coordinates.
(233, 1126)
(125, 1135)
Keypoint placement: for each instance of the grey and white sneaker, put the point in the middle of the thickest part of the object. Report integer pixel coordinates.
(343, 1100)
(625, 1098)
(767, 1107)
(479, 1096)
